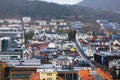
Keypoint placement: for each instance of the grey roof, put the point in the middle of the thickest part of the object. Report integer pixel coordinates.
(48, 50)
(65, 70)
(32, 62)
(46, 66)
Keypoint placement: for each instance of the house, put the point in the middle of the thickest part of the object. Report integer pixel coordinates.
(51, 35)
(67, 73)
(45, 28)
(47, 72)
(61, 61)
(11, 21)
(63, 27)
(63, 36)
(81, 36)
(102, 21)
(89, 51)
(116, 45)
(115, 62)
(36, 35)
(76, 25)
(53, 22)
(81, 65)
(41, 22)
(97, 74)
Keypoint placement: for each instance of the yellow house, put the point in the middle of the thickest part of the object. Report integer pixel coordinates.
(47, 72)
(48, 75)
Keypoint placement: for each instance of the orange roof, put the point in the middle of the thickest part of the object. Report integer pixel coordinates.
(87, 78)
(104, 75)
(81, 73)
(84, 75)
(41, 46)
(90, 38)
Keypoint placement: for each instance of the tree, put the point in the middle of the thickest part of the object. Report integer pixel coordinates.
(29, 35)
(59, 78)
(35, 76)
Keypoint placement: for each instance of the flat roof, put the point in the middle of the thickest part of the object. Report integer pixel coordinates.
(106, 53)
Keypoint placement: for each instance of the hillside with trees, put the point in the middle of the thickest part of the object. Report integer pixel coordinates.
(45, 10)
(41, 9)
(112, 5)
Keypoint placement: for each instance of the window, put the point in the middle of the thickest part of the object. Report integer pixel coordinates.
(49, 78)
(20, 75)
(49, 74)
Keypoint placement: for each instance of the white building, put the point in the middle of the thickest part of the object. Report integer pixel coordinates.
(53, 23)
(102, 21)
(10, 21)
(11, 31)
(10, 55)
(41, 22)
(61, 61)
(26, 19)
(51, 45)
(81, 36)
(1, 21)
(89, 51)
(76, 25)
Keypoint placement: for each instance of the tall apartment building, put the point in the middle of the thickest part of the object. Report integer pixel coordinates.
(5, 43)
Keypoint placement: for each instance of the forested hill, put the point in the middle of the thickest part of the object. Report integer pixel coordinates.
(45, 10)
(31, 8)
(113, 5)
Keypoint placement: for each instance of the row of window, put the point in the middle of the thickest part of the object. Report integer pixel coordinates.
(49, 78)
(20, 75)
(49, 74)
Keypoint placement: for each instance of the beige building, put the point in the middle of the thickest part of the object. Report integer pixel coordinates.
(47, 72)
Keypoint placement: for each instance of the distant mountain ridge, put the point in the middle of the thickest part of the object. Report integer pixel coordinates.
(112, 5)
(44, 10)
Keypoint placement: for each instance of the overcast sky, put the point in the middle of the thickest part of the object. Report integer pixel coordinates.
(64, 1)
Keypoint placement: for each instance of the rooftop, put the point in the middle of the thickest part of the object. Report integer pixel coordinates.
(113, 53)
